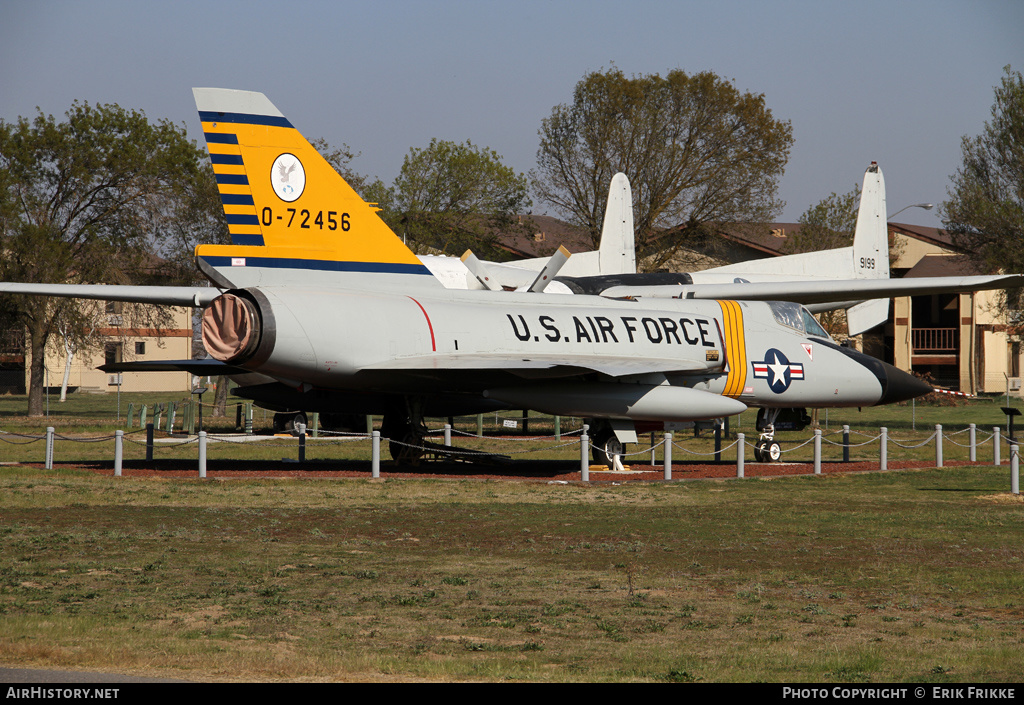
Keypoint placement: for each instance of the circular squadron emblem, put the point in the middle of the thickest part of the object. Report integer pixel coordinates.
(288, 177)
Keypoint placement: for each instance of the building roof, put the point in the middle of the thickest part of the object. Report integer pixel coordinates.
(936, 265)
(547, 233)
(544, 236)
(933, 236)
(770, 238)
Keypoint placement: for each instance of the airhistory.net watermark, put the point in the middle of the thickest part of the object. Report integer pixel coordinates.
(62, 693)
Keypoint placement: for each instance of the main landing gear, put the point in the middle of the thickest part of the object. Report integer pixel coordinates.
(284, 422)
(605, 445)
(406, 432)
(767, 449)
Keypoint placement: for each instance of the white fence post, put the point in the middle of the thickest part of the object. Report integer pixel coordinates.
(938, 445)
(996, 442)
(584, 452)
(49, 448)
(118, 451)
(974, 442)
(817, 451)
(740, 452)
(883, 449)
(375, 457)
(447, 434)
(202, 454)
(1014, 470)
(668, 456)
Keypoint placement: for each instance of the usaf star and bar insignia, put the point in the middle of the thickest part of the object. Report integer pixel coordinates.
(778, 370)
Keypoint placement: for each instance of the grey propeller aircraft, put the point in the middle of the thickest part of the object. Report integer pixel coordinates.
(317, 305)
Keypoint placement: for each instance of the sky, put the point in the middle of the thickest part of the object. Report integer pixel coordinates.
(900, 83)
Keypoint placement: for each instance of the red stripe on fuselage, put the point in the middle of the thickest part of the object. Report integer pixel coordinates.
(433, 344)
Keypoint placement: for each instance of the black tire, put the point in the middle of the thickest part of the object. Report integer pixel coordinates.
(285, 422)
(772, 452)
(605, 447)
(759, 452)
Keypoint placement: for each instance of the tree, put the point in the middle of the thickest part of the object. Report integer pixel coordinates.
(189, 215)
(192, 215)
(696, 151)
(78, 198)
(452, 197)
(985, 211)
(828, 225)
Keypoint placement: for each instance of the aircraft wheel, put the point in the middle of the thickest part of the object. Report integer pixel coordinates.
(283, 423)
(768, 452)
(606, 447)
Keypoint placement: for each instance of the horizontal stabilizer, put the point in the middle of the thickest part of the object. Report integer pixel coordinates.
(867, 258)
(202, 368)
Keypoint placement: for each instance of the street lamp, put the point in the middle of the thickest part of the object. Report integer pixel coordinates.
(926, 206)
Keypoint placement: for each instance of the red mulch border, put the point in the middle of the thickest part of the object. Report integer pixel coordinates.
(535, 471)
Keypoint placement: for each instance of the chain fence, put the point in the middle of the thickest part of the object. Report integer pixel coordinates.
(154, 440)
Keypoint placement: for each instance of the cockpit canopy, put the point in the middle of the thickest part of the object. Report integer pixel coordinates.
(798, 318)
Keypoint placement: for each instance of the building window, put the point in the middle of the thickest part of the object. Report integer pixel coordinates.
(112, 353)
(140, 348)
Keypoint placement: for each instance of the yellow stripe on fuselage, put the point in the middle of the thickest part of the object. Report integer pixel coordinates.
(735, 348)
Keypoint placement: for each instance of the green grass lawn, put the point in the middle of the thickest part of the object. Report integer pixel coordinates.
(880, 577)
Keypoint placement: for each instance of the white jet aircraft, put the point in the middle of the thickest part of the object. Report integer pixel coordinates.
(318, 305)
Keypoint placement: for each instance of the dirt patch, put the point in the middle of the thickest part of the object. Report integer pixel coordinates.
(1004, 498)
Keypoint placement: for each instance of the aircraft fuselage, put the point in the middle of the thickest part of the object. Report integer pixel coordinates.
(484, 343)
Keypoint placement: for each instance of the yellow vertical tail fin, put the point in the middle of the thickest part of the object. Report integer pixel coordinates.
(291, 216)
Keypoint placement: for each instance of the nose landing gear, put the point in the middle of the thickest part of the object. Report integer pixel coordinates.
(767, 449)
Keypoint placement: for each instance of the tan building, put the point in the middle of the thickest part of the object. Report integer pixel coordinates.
(114, 340)
(962, 341)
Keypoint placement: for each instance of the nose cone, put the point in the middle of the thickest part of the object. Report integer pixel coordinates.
(901, 386)
(896, 384)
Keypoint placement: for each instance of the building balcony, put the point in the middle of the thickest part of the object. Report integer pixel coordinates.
(935, 346)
